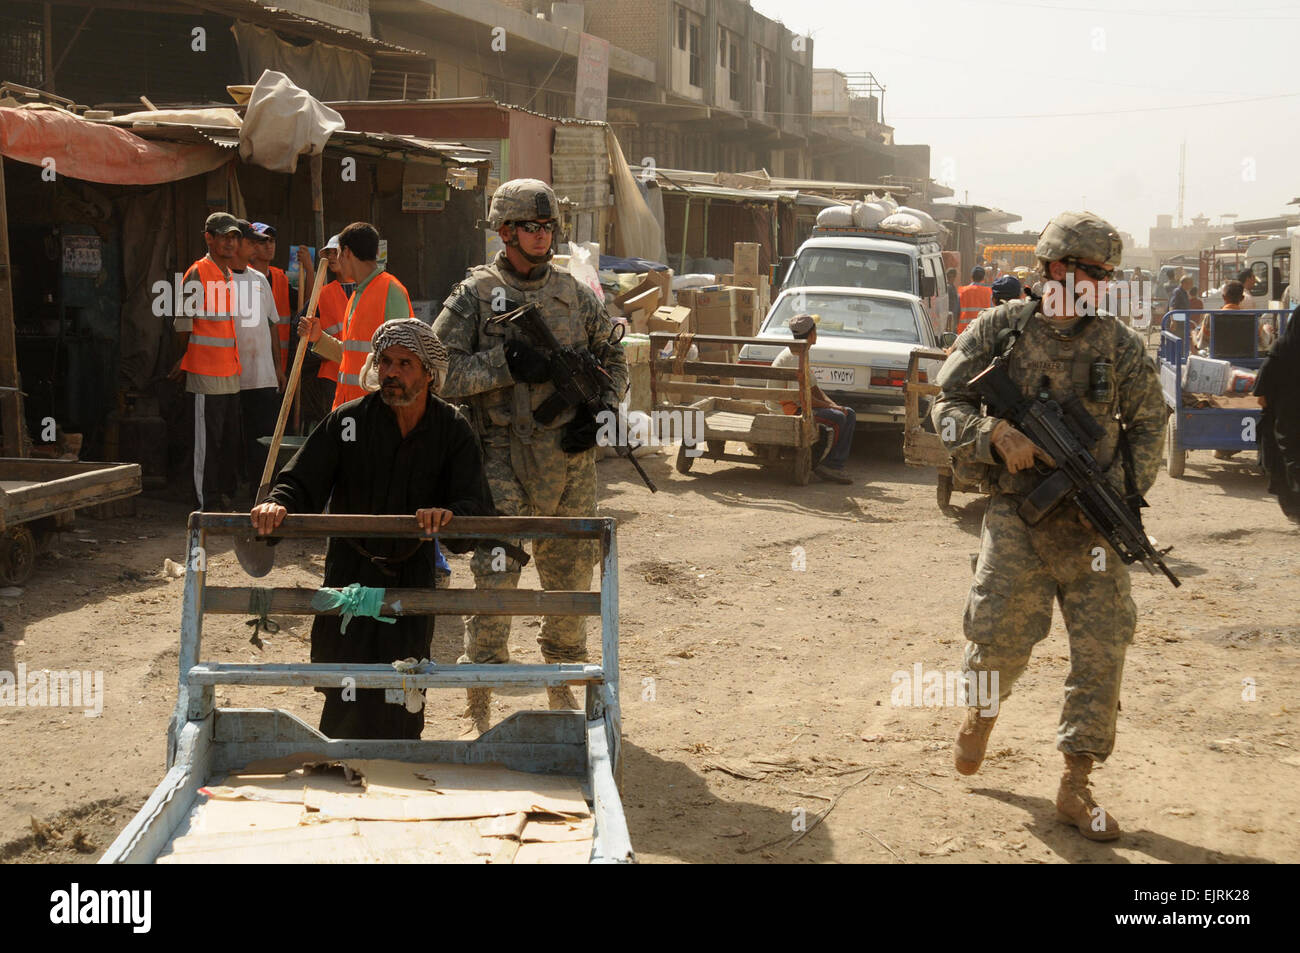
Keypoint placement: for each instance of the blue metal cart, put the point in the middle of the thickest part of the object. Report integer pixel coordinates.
(1234, 336)
(207, 741)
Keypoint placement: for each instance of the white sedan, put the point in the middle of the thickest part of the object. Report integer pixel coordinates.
(864, 339)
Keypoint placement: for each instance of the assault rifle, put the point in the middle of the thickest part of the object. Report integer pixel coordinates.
(580, 380)
(1068, 433)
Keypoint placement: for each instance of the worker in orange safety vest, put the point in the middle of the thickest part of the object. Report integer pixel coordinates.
(376, 298)
(205, 333)
(975, 297)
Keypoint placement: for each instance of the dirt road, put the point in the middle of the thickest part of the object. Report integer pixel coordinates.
(758, 694)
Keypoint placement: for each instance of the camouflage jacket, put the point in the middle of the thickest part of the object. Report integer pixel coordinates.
(477, 372)
(1066, 361)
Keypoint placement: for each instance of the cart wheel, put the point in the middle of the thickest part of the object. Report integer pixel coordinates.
(1177, 456)
(684, 461)
(17, 555)
(943, 490)
(801, 466)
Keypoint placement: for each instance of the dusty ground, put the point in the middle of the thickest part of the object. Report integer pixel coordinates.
(752, 690)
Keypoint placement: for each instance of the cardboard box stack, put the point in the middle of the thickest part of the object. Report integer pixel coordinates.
(748, 275)
(641, 301)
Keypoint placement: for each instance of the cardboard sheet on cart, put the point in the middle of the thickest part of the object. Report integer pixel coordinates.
(362, 811)
(399, 791)
(483, 840)
(362, 789)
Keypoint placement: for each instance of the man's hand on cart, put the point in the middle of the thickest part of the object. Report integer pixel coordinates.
(267, 516)
(432, 519)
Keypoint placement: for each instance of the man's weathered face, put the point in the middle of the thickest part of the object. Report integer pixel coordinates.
(222, 247)
(266, 250)
(331, 256)
(402, 378)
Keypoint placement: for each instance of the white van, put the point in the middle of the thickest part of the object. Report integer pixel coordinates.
(1269, 260)
(851, 257)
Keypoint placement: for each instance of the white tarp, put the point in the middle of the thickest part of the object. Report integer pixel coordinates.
(283, 122)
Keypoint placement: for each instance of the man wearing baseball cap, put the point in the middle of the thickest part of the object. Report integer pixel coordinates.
(1007, 288)
(209, 363)
(266, 248)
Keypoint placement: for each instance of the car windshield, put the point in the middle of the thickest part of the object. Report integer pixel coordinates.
(851, 268)
(842, 315)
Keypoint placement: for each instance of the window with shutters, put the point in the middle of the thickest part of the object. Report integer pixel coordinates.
(697, 57)
(733, 71)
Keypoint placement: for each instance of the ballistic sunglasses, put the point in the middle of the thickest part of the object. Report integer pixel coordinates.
(1099, 272)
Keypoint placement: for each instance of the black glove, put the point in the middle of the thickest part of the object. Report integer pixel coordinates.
(579, 433)
(526, 363)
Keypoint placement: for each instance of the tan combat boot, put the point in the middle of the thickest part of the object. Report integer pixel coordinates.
(1075, 804)
(561, 697)
(480, 707)
(972, 739)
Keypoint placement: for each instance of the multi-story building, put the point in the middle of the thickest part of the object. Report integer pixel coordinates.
(1167, 241)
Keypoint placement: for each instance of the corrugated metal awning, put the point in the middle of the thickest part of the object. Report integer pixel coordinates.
(347, 141)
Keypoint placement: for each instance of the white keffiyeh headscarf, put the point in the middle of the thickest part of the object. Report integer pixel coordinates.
(416, 336)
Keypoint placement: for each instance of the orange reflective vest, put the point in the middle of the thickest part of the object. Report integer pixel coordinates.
(365, 313)
(331, 307)
(280, 292)
(212, 351)
(974, 299)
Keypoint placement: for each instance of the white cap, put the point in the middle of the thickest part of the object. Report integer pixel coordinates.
(333, 243)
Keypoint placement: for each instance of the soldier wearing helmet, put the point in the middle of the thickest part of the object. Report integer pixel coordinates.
(1064, 344)
(533, 469)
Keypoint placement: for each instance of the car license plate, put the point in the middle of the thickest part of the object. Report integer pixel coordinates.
(835, 375)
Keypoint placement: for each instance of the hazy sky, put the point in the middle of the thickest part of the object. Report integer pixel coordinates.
(1099, 81)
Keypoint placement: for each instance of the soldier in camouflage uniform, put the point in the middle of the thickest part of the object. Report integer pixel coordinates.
(1060, 343)
(503, 380)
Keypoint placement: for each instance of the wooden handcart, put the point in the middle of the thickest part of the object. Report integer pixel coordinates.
(733, 412)
(921, 445)
(45, 493)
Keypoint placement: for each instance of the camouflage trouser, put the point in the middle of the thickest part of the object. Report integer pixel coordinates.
(1009, 610)
(536, 479)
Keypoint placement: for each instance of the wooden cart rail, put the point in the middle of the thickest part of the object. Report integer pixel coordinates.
(431, 675)
(196, 699)
(34, 489)
(308, 526)
(921, 447)
(235, 600)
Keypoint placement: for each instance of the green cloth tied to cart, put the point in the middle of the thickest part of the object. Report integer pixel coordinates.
(353, 600)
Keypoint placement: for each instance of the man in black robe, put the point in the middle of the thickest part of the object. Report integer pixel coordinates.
(402, 450)
(1278, 390)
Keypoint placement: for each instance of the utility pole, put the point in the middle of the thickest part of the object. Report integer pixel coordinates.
(1182, 179)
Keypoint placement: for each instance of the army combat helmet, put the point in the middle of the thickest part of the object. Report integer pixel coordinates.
(1080, 235)
(523, 200)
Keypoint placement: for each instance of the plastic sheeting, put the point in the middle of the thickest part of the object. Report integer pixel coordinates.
(94, 152)
(330, 72)
(636, 233)
(283, 122)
